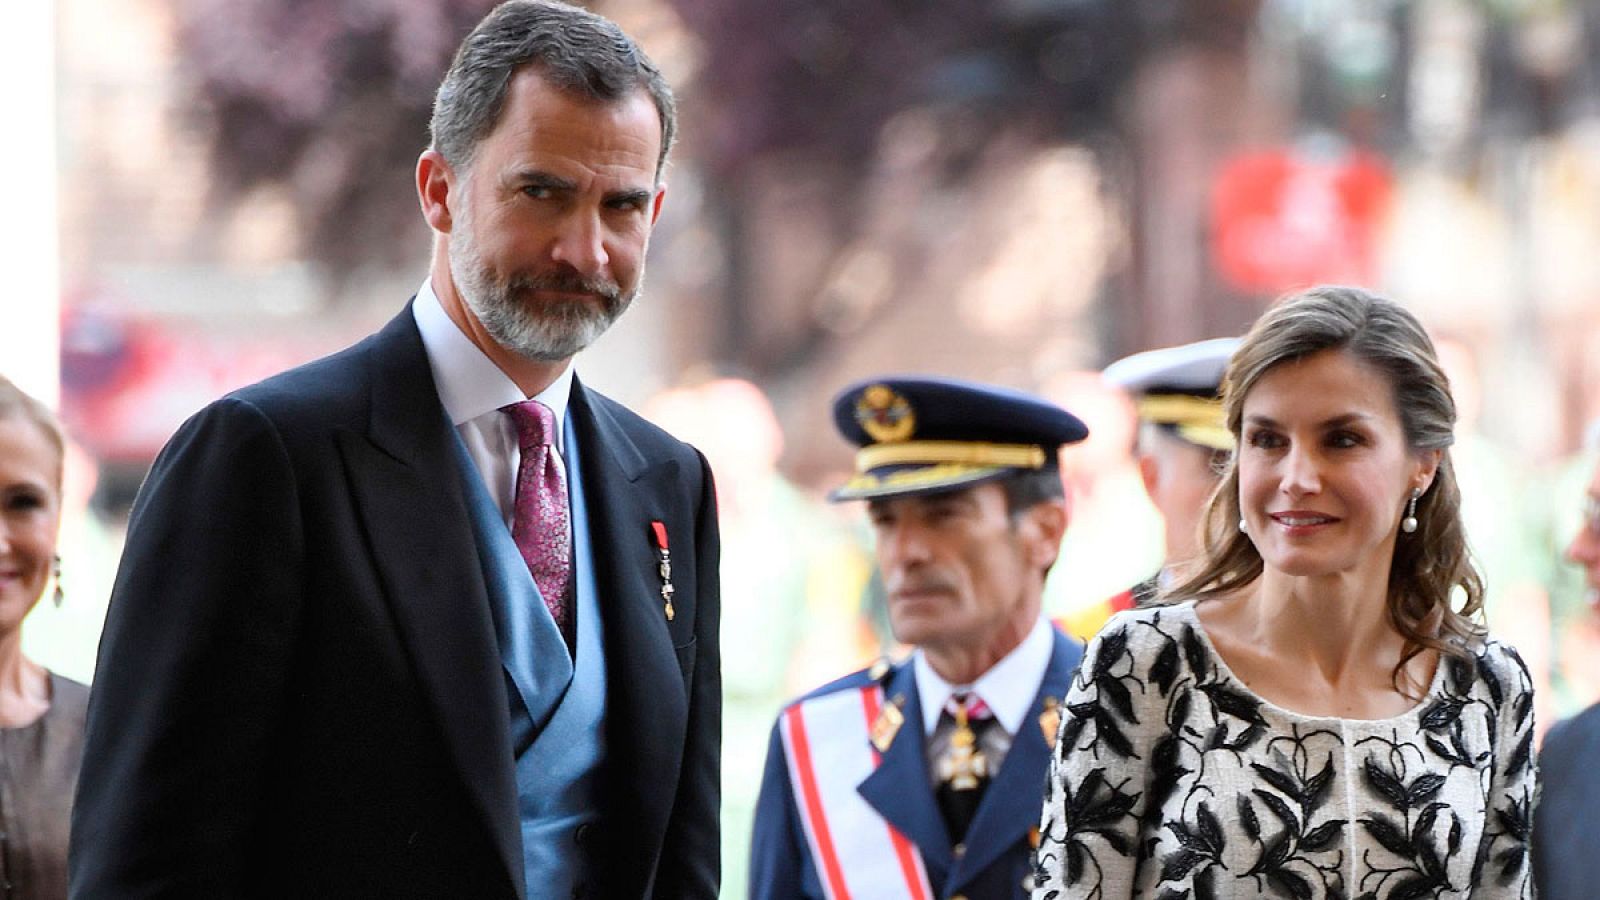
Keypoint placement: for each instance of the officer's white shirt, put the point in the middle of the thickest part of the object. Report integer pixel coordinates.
(1008, 687)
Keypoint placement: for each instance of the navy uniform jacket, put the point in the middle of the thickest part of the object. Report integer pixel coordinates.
(299, 690)
(1565, 865)
(997, 857)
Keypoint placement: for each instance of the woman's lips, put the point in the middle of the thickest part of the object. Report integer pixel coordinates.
(1298, 521)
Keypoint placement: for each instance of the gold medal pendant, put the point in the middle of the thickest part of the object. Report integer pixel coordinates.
(964, 764)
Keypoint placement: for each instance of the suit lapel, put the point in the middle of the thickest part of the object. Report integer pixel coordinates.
(647, 706)
(408, 492)
(899, 788)
(1012, 803)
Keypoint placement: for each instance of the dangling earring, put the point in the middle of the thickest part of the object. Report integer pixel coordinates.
(1409, 523)
(1242, 528)
(55, 571)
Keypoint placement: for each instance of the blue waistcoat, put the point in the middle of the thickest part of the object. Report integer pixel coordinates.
(557, 703)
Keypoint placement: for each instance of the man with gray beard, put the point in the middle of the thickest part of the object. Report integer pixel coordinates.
(430, 618)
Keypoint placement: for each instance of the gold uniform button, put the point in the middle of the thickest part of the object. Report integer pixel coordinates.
(959, 850)
(958, 897)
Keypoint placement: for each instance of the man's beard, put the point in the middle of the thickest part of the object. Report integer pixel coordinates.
(548, 331)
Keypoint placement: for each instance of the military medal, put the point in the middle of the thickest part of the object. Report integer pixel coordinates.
(664, 567)
(1050, 720)
(964, 764)
(888, 723)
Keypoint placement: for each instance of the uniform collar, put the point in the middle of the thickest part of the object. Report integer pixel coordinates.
(1008, 687)
(470, 384)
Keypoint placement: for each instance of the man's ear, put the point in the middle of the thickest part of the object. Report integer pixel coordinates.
(1150, 474)
(1046, 526)
(435, 181)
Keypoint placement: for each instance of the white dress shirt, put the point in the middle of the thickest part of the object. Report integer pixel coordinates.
(1007, 688)
(472, 390)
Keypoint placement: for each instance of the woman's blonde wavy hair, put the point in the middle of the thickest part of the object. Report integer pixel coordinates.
(17, 403)
(1429, 564)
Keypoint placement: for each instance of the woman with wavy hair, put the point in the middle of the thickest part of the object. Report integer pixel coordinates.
(1316, 712)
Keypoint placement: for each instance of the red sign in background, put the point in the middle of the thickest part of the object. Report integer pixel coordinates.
(1283, 219)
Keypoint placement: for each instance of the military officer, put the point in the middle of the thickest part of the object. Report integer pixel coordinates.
(1181, 445)
(924, 779)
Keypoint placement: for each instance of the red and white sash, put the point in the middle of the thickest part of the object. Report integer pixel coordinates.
(827, 741)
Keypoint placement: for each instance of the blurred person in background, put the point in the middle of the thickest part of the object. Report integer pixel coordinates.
(1317, 717)
(1182, 445)
(776, 541)
(922, 779)
(1566, 866)
(1122, 544)
(41, 713)
(429, 618)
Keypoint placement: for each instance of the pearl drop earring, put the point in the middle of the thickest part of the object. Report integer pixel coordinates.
(1409, 523)
(1242, 528)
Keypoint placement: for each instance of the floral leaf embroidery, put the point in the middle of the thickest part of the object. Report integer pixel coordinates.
(1290, 883)
(1291, 822)
(1121, 700)
(1165, 669)
(1491, 680)
(1323, 836)
(1229, 701)
(1248, 820)
(1194, 651)
(1441, 713)
(1520, 756)
(1210, 829)
(1112, 646)
(1388, 834)
(1384, 783)
(1424, 788)
(1284, 782)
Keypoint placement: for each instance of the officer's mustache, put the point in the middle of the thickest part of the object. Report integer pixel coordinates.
(922, 583)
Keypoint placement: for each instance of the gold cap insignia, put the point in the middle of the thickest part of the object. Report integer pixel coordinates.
(885, 415)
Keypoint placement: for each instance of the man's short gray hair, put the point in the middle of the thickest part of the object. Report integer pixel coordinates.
(574, 49)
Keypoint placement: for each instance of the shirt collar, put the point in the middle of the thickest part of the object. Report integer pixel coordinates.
(1008, 687)
(470, 384)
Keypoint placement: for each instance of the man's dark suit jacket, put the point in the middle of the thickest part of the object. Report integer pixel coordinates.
(1566, 865)
(298, 690)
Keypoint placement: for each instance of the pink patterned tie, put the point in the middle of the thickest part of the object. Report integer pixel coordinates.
(539, 522)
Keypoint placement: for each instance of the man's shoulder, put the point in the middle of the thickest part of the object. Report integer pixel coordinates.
(880, 672)
(1572, 734)
(337, 389)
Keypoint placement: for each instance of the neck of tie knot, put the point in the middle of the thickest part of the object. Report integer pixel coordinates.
(965, 708)
(535, 423)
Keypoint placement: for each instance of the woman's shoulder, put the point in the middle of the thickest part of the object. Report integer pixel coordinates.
(1149, 622)
(68, 698)
(1492, 670)
(1146, 635)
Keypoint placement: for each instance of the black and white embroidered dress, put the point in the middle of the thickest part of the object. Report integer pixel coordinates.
(1171, 779)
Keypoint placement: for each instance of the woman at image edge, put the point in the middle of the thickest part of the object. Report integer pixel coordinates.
(1316, 714)
(41, 713)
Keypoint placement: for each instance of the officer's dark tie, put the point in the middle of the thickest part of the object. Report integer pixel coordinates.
(964, 770)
